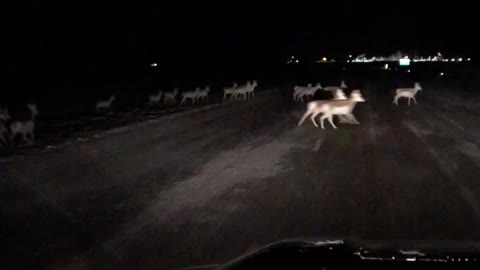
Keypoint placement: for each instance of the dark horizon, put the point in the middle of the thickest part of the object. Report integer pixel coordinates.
(65, 40)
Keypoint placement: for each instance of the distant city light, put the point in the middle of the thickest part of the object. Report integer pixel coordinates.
(386, 66)
(397, 57)
(441, 73)
(153, 64)
(408, 70)
(296, 61)
(404, 62)
(293, 57)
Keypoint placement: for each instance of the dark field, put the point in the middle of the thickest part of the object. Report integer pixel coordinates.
(202, 186)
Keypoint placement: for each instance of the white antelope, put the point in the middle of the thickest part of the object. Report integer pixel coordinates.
(407, 93)
(105, 105)
(310, 92)
(193, 95)
(25, 128)
(243, 90)
(154, 99)
(298, 89)
(3, 134)
(170, 97)
(203, 94)
(229, 90)
(251, 89)
(334, 88)
(4, 117)
(329, 108)
(340, 95)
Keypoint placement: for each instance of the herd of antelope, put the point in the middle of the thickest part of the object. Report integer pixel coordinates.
(236, 91)
(10, 130)
(22, 127)
(340, 105)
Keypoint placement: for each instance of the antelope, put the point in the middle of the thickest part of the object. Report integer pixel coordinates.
(407, 93)
(203, 94)
(3, 134)
(154, 99)
(340, 95)
(4, 118)
(332, 107)
(105, 104)
(229, 90)
(309, 92)
(169, 97)
(193, 95)
(251, 89)
(25, 127)
(298, 89)
(4, 115)
(242, 91)
(334, 88)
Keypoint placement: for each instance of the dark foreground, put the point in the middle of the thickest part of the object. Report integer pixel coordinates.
(203, 187)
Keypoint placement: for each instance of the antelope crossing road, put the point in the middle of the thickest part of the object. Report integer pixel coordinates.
(203, 187)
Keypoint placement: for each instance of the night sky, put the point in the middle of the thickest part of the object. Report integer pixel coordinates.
(45, 39)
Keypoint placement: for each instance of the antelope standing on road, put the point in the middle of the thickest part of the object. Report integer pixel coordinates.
(170, 97)
(229, 90)
(4, 118)
(407, 93)
(298, 89)
(154, 99)
(105, 105)
(25, 128)
(3, 134)
(193, 95)
(251, 89)
(4, 115)
(329, 108)
(342, 86)
(310, 92)
(203, 94)
(244, 90)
